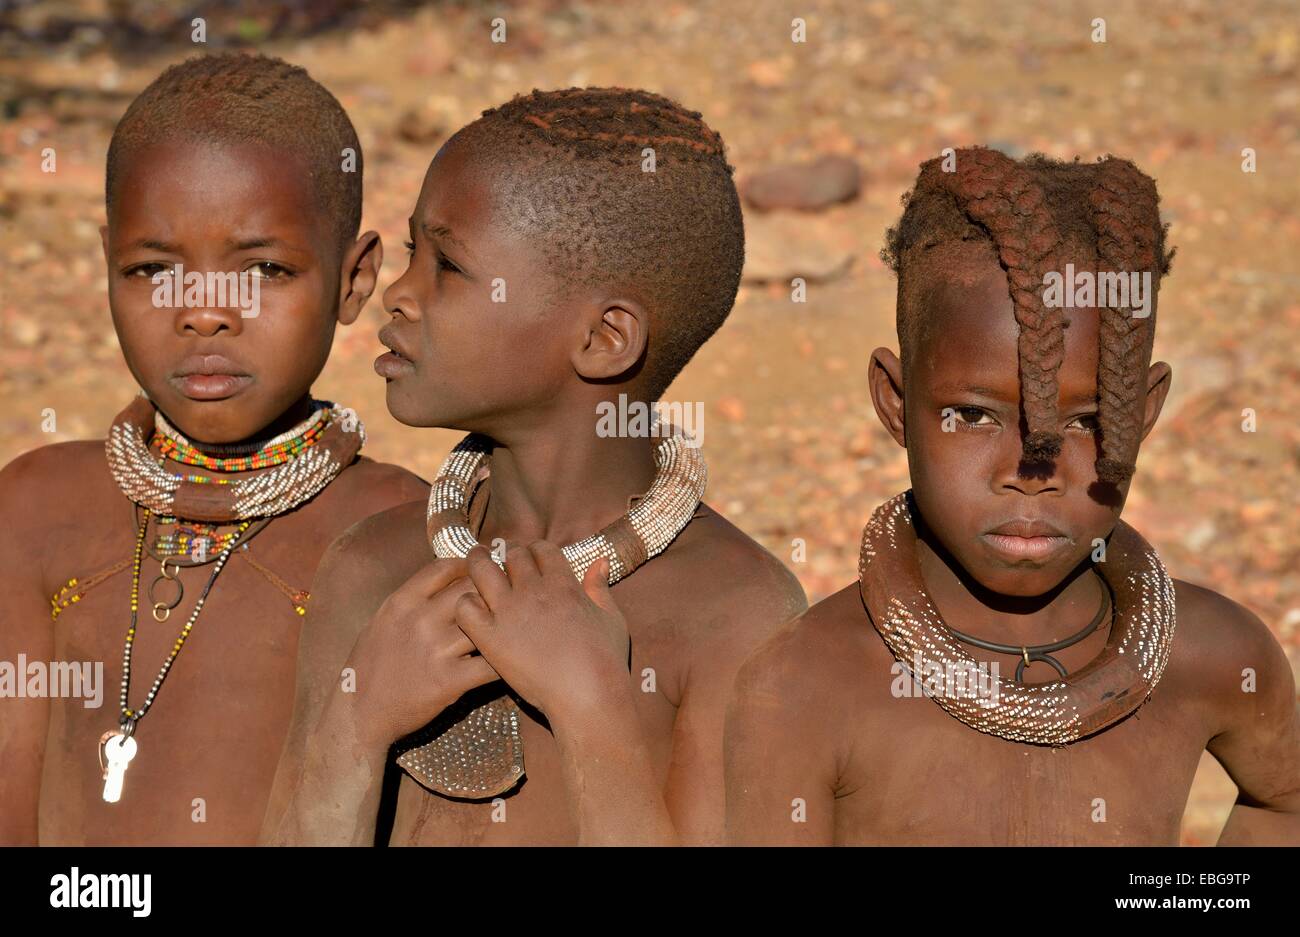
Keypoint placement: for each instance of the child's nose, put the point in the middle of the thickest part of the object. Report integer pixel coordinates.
(1028, 478)
(209, 321)
(399, 301)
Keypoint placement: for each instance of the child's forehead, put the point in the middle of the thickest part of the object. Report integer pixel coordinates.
(971, 335)
(471, 195)
(215, 182)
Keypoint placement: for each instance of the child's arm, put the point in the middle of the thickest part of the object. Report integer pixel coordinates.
(25, 629)
(1260, 747)
(326, 792)
(563, 646)
(780, 786)
(406, 661)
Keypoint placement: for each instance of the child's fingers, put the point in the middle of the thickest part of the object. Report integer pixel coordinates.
(487, 577)
(458, 642)
(473, 618)
(595, 582)
(473, 671)
(550, 559)
(520, 566)
(434, 577)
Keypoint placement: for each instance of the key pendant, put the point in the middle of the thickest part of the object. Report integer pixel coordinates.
(119, 750)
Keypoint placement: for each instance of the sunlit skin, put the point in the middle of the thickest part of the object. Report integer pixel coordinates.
(226, 208)
(457, 342)
(873, 765)
(969, 477)
(208, 747)
(529, 373)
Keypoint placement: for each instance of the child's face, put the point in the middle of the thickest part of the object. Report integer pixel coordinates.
(220, 376)
(1017, 529)
(483, 341)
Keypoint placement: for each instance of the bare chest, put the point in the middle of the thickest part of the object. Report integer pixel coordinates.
(537, 811)
(207, 746)
(932, 780)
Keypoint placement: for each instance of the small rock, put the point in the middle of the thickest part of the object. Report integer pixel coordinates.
(828, 180)
(421, 125)
(777, 249)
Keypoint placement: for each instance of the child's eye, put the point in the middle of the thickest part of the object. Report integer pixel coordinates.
(147, 271)
(1086, 422)
(445, 264)
(973, 416)
(266, 270)
(410, 246)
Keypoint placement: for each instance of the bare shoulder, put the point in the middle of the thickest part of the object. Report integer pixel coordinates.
(1223, 655)
(721, 568)
(377, 553)
(368, 487)
(824, 657)
(358, 571)
(60, 495)
(51, 471)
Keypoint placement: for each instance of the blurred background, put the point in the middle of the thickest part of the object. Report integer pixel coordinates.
(825, 136)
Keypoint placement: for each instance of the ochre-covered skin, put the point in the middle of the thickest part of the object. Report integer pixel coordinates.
(817, 727)
(208, 747)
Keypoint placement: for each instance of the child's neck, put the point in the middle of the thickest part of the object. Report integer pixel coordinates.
(298, 411)
(563, 483)
(1006, 619)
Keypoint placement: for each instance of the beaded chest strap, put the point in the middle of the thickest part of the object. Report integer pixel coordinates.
(272, 491)
(474, 750)
(1099, 694)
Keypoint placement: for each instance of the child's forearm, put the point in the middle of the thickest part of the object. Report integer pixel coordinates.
(336, 788)
(610, 779)
(1260, 826)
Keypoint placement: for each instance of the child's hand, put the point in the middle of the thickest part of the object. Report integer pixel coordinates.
(562, 645)
(411, 660)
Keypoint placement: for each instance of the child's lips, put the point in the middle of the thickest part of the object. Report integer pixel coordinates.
(1025, 548)
(209, 377)
(211, 386)
(1026, 540)
(392, 365)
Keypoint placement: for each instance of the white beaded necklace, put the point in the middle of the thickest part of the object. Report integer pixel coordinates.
(643, 532)
(474, 750)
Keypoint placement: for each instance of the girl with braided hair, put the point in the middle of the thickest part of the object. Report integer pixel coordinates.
(1006, 669)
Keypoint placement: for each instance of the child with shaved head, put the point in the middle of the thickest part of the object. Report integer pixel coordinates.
(568, 249)
(175, 555)
(1014, 665)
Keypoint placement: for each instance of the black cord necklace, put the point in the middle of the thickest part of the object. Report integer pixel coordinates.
(1029, 653)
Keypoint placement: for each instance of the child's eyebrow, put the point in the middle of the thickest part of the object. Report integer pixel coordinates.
(248, 244)
(151, 244)
(442, 231)
(976, 389)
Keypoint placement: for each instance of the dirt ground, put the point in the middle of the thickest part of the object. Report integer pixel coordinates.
(793, 446)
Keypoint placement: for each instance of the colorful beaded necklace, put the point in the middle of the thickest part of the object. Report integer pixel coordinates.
(283, 448)
(144, 478)
(292, 468)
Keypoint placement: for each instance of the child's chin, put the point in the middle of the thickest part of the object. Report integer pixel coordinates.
(1025, 579)
(229, 420)
(408, 411)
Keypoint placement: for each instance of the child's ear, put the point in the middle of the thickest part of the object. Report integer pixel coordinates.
(885, 378)
(1159, 377)
(613, 343)
(359, 274)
